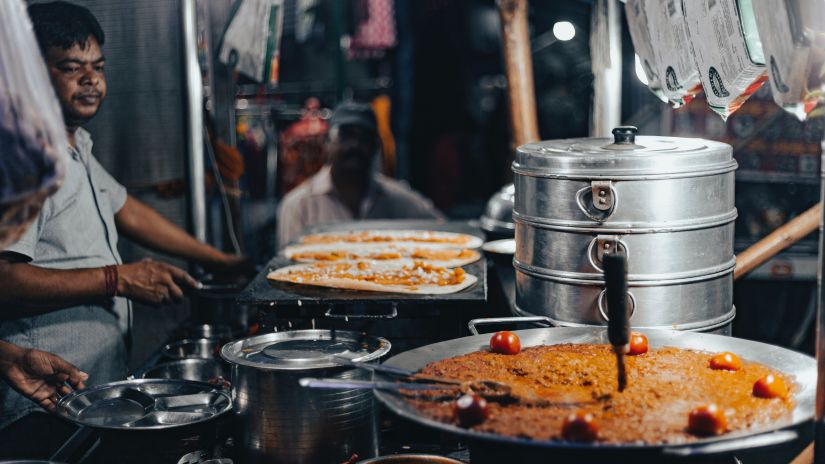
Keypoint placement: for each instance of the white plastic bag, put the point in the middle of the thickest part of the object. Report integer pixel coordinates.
(252, 40)
(792, 34)
(33, 143)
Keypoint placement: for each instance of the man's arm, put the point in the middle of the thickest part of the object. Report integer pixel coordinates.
(27, 290)
(147, 227)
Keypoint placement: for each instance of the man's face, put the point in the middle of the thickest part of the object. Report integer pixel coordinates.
(78, 79)
(352, 147)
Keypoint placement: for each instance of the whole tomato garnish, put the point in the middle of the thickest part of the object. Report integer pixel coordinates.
(725, 361)
(638, 344)
(505, 342)
(770, 386)
(707, 420)
(470, 410)
(579, 426)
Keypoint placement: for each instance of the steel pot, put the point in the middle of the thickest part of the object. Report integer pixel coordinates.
(497, 221)
(278, 421)
(201, 370)
(666, 202)
(201, 348)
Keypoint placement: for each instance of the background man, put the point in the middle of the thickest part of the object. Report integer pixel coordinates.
(348, 187)
(63, 287)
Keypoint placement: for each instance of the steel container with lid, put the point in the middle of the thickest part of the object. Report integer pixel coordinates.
(278, 421)
(666, 202)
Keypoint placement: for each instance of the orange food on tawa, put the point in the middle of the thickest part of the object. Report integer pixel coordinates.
(580, 426)
(505, 342)
(638, 344)
(770, 386)
(725, 361)
(707, 420)
(661, 404)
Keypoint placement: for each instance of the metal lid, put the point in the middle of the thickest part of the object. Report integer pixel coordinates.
(303, 349)
(144, 404)
(625, 155)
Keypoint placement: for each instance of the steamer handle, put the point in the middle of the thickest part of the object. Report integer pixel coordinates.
(585, 205)
(739, 444)
(504, 320)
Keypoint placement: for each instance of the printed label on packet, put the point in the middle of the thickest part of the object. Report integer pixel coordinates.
(672, 54)
(727, 51)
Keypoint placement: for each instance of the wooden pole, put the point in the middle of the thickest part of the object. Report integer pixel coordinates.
(518, 63)
(778, 240)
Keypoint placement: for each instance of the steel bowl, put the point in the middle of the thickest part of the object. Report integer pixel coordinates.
(189, 332)
(201, 370)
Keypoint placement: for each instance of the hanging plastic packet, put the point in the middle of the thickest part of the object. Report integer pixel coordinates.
(33, 144)
(727, 51)
(792, 39)
(674, 62)
(252, 41)
(640, 35)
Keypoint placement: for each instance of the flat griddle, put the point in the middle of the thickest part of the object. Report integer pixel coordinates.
(263, 292)
(801, 368)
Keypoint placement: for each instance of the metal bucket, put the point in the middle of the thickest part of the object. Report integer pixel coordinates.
(278, 421)
(667, 203)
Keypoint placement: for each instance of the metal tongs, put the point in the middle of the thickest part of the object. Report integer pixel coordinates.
(618, 320)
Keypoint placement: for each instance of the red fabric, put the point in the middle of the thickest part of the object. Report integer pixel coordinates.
(377, 33)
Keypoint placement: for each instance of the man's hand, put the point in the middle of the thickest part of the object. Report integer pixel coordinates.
(152, 282)
(38, 375)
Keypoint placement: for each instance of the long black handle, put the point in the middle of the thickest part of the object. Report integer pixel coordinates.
(615, 279)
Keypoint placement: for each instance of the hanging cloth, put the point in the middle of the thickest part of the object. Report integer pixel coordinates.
(375, 29)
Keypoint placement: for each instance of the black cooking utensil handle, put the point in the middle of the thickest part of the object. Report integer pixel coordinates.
(615, 279)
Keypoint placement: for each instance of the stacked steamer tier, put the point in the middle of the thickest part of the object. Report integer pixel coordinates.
(667, 202)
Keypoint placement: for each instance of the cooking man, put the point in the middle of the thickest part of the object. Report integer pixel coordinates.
(348, 187)
(63, 287)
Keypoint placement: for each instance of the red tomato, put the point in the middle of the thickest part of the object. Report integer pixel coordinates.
(505, 342)
(707, 420)
(770, 386)
(725, 361)
(470, 410)
(638, 344)
(579, 426)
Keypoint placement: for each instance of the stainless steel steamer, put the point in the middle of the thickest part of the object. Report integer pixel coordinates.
(667, 202)
(278, 421)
